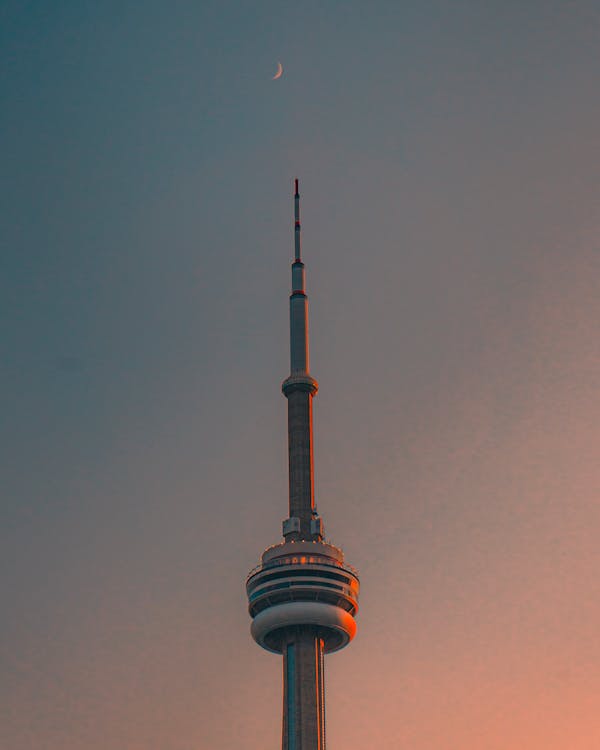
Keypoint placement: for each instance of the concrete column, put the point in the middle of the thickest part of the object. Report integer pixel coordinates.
(303, 690)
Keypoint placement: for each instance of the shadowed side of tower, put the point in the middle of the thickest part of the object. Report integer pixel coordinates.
(302, 597)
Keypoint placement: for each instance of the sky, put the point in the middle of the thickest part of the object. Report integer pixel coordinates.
(448, 162)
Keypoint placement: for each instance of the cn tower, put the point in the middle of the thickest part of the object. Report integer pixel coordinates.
(303, 597)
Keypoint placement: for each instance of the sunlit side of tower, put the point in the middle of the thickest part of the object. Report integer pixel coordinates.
(303, 597)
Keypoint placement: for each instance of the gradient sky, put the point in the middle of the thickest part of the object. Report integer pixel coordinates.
(448, 162)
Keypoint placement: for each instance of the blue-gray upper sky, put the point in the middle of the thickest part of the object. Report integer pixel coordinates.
(448, 162)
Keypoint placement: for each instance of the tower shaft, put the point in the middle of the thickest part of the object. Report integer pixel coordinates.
(303, 690)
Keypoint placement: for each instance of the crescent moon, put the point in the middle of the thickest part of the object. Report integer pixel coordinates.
(279, 72)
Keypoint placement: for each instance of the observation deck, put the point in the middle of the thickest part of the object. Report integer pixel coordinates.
(303, 583)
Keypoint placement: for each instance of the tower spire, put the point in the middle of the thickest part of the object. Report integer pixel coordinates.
(296, 221)
(299, 389)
